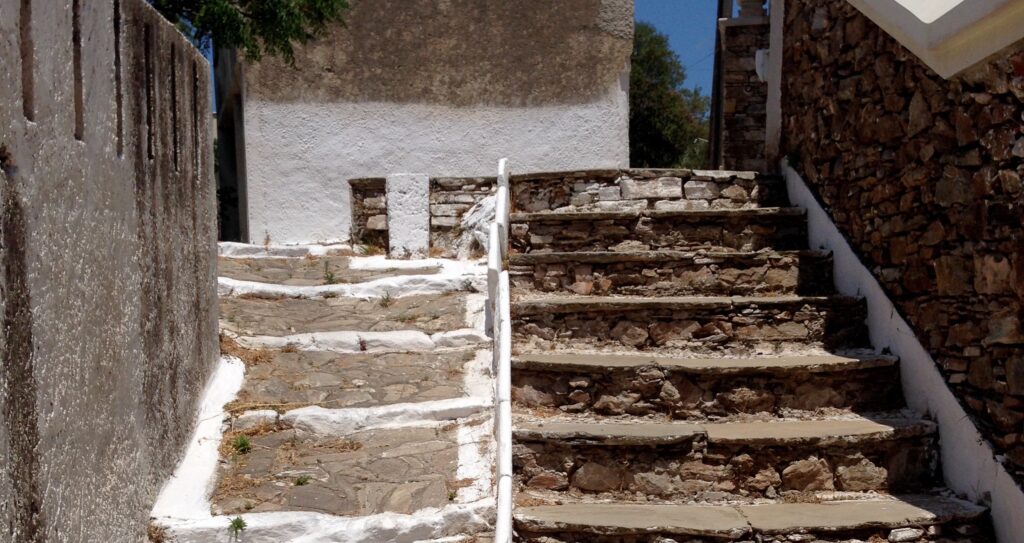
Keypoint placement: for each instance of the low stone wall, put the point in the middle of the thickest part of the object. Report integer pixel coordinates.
(107, 269)
(744, 95)
(450, 199)
(923, 177)
(615, 190)
(369, 212)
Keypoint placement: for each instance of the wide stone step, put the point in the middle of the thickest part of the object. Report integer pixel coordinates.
(639, 230)
(646, 189)
(674, 273)
(688, 324)
(910, 518)
(638, 461)
(700, 388)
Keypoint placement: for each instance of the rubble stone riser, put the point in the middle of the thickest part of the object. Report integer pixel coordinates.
(669, 190)
(691, 396)
(944, 533)
(699, 470)
(805, 275)
(712, 330)
(781, 233)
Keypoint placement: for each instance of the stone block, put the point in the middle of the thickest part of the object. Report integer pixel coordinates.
(606, 194)
(701, 190)
(408, 198)
(377, 222)
(663, 187)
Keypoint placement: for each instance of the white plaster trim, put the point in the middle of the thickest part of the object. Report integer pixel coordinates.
(384, 263)
(969, 465)
(186, 494)
(375, 342)
(396, 286)
(342, 421)
(304, 527)
(948, 35)
(233, 249)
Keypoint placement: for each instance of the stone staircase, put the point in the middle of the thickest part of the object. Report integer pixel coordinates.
(684, 371)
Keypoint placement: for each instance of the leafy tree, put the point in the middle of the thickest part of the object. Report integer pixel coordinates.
(668, 123)
(257, 27)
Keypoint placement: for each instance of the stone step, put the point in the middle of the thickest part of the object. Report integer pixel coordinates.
(701, 388)
(688, 324)
(910, 518)
(742, 229)
(718, 461)
(646, 188)
(674, 273)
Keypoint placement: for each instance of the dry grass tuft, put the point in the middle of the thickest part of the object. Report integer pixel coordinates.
(156, 533)
(251, 357)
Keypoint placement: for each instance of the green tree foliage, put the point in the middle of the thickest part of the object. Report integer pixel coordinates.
(668, 123)
(257, 27)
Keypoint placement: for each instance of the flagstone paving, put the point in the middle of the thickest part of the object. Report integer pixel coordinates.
(295, 379)
(280, 317)
(308, 271)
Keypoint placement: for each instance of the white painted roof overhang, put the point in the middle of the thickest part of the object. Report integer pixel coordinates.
(949, 35)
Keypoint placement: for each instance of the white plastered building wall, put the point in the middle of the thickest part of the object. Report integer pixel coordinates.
(300, 156)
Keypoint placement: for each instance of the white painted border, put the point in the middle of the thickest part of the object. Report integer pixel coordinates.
(948, 35)
(969, 465)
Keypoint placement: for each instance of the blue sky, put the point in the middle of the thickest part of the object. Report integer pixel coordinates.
(690, 26)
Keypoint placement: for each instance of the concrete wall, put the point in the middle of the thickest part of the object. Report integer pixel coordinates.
(107, 269)
(439, 87)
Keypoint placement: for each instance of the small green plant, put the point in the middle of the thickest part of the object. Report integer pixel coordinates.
(329, 278)
(236, 527)
(302, 480)
(386, 300)
(451, 495)
(241, 444)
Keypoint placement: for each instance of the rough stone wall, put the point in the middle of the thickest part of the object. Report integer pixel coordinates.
(744, 96)
(450, 199)
(107, 268)
(923, 176)
(370, 211)
(447, 88)
(637, 189)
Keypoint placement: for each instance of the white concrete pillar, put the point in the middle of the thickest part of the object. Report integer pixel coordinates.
(408, 215)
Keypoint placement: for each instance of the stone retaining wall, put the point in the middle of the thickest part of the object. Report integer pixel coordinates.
(450, 199)
(369, 211)
(616, 190)
(923, 176)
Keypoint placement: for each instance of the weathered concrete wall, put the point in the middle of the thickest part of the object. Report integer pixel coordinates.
(923, 176)
(444, 88)
(107, 290)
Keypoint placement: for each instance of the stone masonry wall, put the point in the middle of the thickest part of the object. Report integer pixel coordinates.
(107, 268)
(744, 96)
(450, 199)
(923, 176)
(370, 211)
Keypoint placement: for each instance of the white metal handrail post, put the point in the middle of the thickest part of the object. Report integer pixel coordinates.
(500, 301)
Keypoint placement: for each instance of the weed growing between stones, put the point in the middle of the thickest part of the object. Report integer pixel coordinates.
(236, 527)
(329, 278)
(386, 300)
(241, 444)
(302, 480)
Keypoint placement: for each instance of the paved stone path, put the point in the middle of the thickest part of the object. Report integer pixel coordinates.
(398, 457)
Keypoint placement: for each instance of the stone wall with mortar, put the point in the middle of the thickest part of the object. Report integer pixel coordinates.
(923, 176)
(446, 88)
(370, 211)
(450, 199)
(107, 268)
(744, 95)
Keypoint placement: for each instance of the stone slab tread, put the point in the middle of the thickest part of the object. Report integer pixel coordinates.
(736, 521)
(584, 362)
(531, 305)
(657, 256)
(765, 433)
(690, 215)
